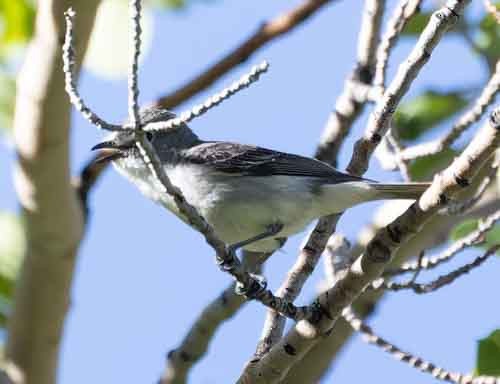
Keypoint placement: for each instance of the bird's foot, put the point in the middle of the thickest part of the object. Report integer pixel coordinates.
(258, 284)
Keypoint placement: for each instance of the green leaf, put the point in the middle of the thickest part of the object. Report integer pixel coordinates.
(463, 229)
(7, 97)
(416, 24)
(493, 236)
(17, 18)
(12, 245)
(172, 4)
(424, 167)
(416, 116)
(467, 226)
(488, 38)
(488, 355)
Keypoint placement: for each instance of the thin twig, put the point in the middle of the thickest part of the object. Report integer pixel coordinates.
(403, 12)
(349, 105)
(473, 238)
(380, 119)
(464, 206)
(266, 32)
(397, 148)
(412, 360)
(200, 109)
(440, 282)
(70, 86)
(472, 115)
(133, 86)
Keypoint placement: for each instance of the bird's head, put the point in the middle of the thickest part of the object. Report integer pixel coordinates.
(122, 144)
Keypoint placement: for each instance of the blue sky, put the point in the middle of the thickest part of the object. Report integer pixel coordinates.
(143, 276)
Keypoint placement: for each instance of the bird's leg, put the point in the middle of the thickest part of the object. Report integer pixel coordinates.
(230, 262)
(271, 230)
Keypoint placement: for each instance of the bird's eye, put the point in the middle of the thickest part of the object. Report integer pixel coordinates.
(149, 136)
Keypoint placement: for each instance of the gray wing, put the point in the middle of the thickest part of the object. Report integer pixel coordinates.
(256, 161)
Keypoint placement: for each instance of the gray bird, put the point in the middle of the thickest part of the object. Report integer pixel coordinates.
(253, 197)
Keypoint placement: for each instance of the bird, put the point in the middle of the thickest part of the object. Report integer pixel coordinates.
(253, 197)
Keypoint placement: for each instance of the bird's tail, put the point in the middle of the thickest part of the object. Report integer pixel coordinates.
(399, 190)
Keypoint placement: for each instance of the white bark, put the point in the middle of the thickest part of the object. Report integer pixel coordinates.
(53, 216)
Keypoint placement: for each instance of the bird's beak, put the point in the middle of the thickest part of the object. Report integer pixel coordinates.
(108, 151)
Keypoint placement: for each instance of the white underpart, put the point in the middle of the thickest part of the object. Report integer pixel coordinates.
(240, 208)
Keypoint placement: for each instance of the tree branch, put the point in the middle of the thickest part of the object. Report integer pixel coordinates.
(440, 282)
(412, 360)
(324, 354)
(52, 213)
(269, 31)
(472, 115)
(195, 344)
(380, 119)
(403, 12)
(471, 239)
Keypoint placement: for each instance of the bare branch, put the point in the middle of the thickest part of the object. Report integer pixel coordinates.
(70, 86)
(407, 73)
(195, 343)
(397, 148)
(414, 361)
(464, 206)
(198, 110)
(267, 32)
(315, 364)
(133, 86)
(305, 334)
(403, 12)
(436, 284)
(292, 285)
(349, 104)
(380, 118)
(472, 115)
(369, 35)
(471, 239)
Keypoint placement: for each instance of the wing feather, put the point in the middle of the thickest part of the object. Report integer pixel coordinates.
(257, 161)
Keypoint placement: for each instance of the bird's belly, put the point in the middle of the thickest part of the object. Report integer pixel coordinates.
(241, 209)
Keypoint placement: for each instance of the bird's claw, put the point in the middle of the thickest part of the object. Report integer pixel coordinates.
(257, 284)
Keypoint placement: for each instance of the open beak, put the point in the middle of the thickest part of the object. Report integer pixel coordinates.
(108, 151)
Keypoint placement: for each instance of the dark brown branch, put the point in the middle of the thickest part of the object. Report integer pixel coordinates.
(268, 31)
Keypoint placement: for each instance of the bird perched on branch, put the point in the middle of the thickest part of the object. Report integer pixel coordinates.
(253, 197)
